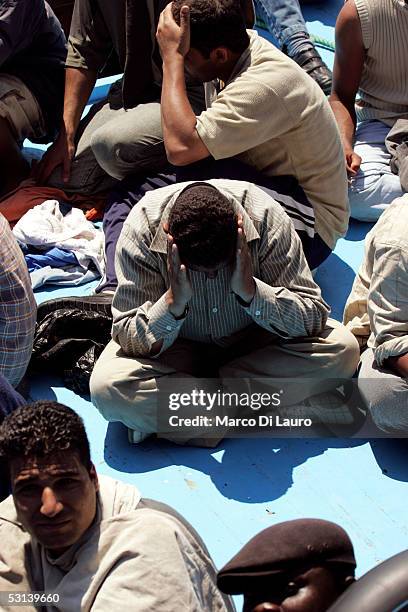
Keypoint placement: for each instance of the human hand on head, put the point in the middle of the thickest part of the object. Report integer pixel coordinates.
(242, 279)
(180, 290)
(174, 39)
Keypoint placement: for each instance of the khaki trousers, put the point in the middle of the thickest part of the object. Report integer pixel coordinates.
(127, 389)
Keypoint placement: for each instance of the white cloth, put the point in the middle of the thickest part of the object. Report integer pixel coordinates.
(44, 226)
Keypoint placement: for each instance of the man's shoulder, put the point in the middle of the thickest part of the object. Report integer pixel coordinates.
(271, 68)
(117, 497)
(8, 513)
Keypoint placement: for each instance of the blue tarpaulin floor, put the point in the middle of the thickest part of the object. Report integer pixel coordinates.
(234, 491)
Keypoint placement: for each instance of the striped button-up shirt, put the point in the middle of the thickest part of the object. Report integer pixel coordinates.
(17, 308)
(377, 308)
(287, 301)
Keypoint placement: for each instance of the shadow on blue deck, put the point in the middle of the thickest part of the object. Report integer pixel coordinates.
(274, 470)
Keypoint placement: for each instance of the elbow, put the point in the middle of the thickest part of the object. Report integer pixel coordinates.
(321, 315)
(179, 156)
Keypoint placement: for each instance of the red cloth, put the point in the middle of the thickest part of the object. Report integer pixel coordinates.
(17, 203)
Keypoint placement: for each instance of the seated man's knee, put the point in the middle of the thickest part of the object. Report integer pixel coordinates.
(122, 396)
(106, 147)
(385, 395)
(345, 354)
(369, 196)
(120, 157)
(101, 385)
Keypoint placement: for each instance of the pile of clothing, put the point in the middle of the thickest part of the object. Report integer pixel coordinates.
(60, 245)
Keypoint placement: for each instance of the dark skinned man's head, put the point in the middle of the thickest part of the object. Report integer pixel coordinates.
(53, 482)
(203, 224)
(296, 566)
(218, 36)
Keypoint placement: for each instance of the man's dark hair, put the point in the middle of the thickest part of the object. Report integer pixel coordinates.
(203, 224)
(214, 23)
(41, 429)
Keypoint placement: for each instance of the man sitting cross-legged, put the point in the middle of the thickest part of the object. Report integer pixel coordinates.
(86, 539)
(212, 278)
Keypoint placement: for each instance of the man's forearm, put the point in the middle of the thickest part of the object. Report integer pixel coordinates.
(399, 365)
(178, 118)
(346, 121)
(287, 313)
(78, 87)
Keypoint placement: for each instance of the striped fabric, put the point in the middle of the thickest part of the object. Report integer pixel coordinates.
(301, 214)
(384, 82)
(376, 311)
(287, 302)
(17, 308)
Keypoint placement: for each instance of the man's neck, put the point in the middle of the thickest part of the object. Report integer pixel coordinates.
(228, 68)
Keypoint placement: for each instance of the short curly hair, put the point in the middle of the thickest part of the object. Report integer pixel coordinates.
(41, 429)
(214, 23)
(203, 224)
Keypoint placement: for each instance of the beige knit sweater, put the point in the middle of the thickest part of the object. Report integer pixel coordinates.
(384, 83)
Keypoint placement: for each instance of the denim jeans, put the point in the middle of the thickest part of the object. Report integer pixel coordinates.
(374, 186)
(283, 17)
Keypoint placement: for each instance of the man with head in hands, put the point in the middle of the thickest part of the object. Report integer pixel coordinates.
(213, 282)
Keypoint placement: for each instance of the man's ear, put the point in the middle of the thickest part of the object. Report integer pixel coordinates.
(94, 477)
(165, 227)
(348, 581)
(220, 56)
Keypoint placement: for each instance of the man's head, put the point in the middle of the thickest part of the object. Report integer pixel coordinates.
(296, 566)
(203, 224)
(53, 482)
(218, 36)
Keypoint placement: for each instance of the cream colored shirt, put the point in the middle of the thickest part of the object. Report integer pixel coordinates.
(132, 558)
(273, 116)
(377, 308)
(384, 82)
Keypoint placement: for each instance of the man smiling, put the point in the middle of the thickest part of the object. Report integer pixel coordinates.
(91, 541)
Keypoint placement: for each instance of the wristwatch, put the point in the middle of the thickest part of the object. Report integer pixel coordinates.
(183, 314)
(241, 301)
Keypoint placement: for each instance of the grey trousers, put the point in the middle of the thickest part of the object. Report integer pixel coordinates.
(113, 143)
(386, 395)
